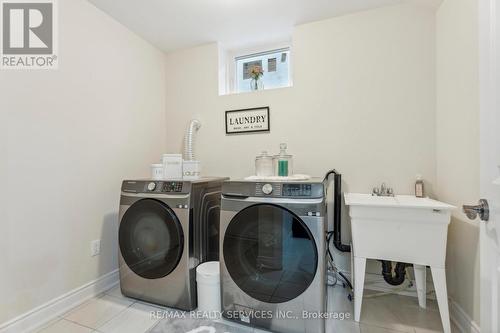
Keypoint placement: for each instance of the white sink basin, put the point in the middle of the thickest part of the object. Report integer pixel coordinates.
(401, 228)
(398, 201)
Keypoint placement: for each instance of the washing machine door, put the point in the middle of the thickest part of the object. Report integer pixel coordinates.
(151, 239)
(270, 253)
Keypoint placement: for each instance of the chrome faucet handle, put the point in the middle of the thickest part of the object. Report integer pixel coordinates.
(376, 191)
(383, 189)
(390, 192)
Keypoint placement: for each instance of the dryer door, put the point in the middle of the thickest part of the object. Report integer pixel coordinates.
(270, 253)
(151, 239)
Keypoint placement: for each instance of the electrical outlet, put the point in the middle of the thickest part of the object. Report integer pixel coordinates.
(95, 247)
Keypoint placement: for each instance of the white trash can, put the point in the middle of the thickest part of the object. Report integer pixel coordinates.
(208, 282)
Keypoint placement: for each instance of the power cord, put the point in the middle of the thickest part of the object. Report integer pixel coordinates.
(334, 275)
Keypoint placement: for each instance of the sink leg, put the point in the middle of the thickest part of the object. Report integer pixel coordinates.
(439, 279)
(359, 284)
(421, 284)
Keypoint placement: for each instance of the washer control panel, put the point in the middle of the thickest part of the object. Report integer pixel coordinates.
(312, 189)
(297, 190)
(290, 190)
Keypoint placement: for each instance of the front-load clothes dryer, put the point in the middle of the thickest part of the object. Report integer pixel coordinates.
(166, 229)
(273, 254)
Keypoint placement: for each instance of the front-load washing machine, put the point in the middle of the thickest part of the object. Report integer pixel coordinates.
(273, 254)
(166, 229)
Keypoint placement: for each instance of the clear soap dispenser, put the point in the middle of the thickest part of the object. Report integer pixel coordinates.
(283, 163)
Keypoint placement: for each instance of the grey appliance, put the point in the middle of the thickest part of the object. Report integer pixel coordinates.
(166, 229)
(273, 254)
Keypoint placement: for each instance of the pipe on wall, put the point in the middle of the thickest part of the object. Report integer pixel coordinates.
(194, 126)
(337, 212)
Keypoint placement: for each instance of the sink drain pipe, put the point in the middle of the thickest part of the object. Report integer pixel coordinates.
(399, 275)
(395, 279)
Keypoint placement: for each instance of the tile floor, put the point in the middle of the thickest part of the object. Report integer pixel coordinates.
(111, 312)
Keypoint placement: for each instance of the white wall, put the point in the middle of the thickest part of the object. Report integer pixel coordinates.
(458, 142)
(69, 137)
(363, 102)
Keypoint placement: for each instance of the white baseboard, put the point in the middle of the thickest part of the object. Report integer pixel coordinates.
(462, 320)
(56, 307)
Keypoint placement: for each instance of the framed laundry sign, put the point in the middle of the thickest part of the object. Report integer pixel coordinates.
(248, 120)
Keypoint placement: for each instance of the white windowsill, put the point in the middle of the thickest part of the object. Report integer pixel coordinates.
(254, 91)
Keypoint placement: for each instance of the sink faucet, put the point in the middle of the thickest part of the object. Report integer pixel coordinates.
(383, 191)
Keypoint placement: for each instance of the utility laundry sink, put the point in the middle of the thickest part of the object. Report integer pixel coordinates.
(402, 228)
(398, 201)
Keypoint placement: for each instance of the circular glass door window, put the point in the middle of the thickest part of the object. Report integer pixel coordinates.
(270, 253)
(151, 239)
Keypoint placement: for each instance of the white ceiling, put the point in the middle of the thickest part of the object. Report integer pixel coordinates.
(175, 24)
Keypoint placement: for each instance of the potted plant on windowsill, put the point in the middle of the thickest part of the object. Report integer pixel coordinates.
(256, 73)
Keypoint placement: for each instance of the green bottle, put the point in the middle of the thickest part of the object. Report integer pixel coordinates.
(284, 167)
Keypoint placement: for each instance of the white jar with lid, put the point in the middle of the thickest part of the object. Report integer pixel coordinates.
(156, 171)
(172, 166)
(264, 165)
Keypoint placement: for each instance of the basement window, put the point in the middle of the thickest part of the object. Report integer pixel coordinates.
(273, 64)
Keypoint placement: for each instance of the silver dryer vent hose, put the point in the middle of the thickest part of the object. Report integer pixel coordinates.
(194, 126)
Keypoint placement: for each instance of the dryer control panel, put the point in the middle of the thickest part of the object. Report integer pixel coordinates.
(172, 187)
(156, 186)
